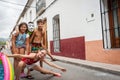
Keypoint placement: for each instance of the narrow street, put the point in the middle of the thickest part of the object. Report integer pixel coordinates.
(74, 73)
(82, 35)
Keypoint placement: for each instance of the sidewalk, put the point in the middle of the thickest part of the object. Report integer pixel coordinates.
(109, 68)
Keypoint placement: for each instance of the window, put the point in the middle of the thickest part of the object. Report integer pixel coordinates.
(110, 18)
(56, 33)
(40, 5)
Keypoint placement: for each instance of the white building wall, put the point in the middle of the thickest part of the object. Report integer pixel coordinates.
(48, 2)
(75, 20)
(34, 10)
(42, 16)
(26, 17)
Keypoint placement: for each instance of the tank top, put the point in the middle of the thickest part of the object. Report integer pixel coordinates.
(29, 61)
(20, 40)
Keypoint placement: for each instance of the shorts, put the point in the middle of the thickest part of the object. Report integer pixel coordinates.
(20, 46)
(31, 66)
(36, 46)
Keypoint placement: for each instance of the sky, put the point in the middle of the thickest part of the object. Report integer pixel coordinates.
(10, 11)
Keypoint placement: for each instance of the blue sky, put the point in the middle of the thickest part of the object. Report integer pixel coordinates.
(10, 11)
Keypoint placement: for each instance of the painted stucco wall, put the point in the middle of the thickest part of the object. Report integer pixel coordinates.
(75, 19)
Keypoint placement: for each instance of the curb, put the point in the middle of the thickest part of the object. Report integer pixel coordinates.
(101, 69)
(92, 67)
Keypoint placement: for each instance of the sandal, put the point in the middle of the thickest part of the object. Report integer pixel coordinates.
(29, 77)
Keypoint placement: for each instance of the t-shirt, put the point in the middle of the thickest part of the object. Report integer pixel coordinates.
(20, 39)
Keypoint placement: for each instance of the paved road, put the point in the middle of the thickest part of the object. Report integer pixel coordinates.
(73, 73)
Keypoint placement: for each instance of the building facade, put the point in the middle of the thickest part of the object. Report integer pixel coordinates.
(79, 28)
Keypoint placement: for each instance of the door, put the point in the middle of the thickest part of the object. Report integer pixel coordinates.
(114, 22)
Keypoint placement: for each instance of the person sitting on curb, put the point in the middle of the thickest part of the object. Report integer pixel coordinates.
(30, 61)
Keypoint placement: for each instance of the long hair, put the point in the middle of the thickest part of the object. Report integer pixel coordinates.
(23, 23)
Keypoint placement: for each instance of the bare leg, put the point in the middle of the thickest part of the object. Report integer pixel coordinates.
(29, 76)
(22, 51)
(19, 69)
(41, 65)
(40, 69)
(28, 72)
(49, 54)
(15, 51)
(15, 65)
